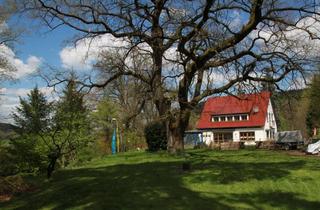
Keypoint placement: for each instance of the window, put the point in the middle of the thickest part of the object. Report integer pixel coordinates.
(215, 119)
(222, 137)
(272, 133)
(229, 118)
(247, 136)
(244, 117)
(268, 134)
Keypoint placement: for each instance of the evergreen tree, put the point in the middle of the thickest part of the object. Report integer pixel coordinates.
(50, 133)
(32, 116)
(313, 115)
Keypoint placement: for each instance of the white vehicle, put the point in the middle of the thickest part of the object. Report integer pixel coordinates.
(314, 148)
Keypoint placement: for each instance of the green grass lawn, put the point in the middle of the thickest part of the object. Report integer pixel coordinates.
(217, 180)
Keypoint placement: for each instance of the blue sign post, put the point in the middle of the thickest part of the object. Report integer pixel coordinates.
(114, 142)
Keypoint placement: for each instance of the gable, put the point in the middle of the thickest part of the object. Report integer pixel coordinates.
(254, 105)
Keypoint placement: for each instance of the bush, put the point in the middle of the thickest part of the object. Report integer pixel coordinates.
(28, 154)
(12, 184)
(8, 162)
(134, 140)
(156, 137)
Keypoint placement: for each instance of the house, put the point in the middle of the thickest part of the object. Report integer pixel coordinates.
(247, 118)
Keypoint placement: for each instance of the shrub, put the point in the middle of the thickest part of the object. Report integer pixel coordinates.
(133, 140)
(8, 164)
(156, 137)
(12, 184)
(29, 154)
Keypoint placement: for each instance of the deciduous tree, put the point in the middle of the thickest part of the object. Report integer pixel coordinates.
(313, 114)
(214, 46)
(7, 37)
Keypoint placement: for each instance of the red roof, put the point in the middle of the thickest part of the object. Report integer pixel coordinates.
(226, 105)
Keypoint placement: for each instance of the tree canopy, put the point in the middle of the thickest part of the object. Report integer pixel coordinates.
(33, 114)
(313, 114)
(7, 37)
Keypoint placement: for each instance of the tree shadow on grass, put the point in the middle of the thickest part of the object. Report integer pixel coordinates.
(155, 185)
(226, 172)
(269, 200)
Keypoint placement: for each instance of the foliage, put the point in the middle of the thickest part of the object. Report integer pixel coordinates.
(8, 35)
(27, 153)
(218, 180)
(102, 119)
(290, 108)
(7, 131)
(8, 164)
(27, 150)
(50, 134)
(12, 184)
(33, 114)
(69, 130)
(313, 115)
(156, 137)
(134, 140)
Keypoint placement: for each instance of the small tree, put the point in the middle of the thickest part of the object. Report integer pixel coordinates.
(313, 114)
(32, 117)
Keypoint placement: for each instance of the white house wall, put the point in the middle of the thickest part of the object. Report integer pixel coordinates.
(270, 122)
(260, 134)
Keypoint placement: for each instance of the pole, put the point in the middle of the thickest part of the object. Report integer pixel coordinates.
(113, 142)
(118, 139)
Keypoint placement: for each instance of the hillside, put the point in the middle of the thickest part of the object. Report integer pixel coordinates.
(7, 130)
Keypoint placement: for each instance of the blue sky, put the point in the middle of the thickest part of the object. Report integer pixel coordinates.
(39, 48)
(37, 43)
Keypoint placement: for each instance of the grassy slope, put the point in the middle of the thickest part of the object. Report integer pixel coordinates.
(218, 180)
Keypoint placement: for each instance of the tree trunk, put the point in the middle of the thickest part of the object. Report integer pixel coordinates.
(175, 131)
(52, 163)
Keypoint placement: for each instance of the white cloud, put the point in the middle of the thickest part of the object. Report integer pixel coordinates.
(22, 68)
(86, 51)
(10, 99)
(302, 39)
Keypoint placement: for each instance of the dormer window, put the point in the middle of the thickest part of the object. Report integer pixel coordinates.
(230, 118)
(215, 119)
(244, 117)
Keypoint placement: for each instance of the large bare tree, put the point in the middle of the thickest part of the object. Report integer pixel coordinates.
(7, 38)
(218, 45)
